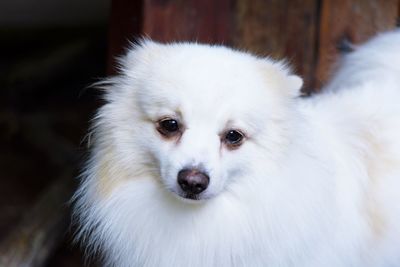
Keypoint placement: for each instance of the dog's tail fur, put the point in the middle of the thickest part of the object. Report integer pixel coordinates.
(377, 59)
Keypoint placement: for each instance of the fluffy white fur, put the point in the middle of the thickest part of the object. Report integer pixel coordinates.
(316, 182)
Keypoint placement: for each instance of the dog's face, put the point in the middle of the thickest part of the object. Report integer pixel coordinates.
(203, 114)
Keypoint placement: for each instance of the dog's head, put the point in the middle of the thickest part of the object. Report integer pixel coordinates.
(197, 116)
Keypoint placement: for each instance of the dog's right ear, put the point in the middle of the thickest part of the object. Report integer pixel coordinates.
(140, 50)
(143, 43)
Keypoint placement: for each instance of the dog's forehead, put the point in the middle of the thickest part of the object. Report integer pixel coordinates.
(206, 73)
(207, 65)
(198, 80)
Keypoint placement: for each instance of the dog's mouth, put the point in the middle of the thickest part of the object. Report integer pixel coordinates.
(189, 198)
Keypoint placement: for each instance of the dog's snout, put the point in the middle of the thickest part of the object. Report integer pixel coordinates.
(193, 181)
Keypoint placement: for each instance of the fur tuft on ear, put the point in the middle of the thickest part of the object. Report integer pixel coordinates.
(140, 51)
(295, 84)
(291, 81)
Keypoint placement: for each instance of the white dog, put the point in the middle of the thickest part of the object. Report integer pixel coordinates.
(206, 156)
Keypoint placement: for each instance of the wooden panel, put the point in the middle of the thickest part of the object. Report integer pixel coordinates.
(281, 29)
(350, 20)
(203, 21)
(125, 25)
(306, 32)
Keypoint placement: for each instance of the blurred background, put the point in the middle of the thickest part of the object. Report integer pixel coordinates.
(52, 50)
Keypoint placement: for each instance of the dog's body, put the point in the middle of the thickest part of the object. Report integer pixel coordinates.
(311, 182)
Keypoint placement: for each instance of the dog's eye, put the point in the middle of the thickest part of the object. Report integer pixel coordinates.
(233, 138)
(168, 127)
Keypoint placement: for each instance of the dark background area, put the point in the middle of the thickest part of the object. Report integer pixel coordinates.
(51, 51)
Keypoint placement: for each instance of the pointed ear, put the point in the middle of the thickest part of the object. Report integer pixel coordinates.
(295, 84)
(140, 51)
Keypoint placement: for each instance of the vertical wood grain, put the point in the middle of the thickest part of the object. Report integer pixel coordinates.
(350, 20)
(280, 29)
(306, 32)
(189, 20)
(125, 25)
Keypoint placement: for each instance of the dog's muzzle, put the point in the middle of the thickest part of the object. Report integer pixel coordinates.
(193, 182)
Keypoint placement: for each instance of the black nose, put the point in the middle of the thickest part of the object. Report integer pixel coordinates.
(193, 181)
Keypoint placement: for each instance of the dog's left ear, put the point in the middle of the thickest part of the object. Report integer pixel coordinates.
(290, 82)
(295, 84)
